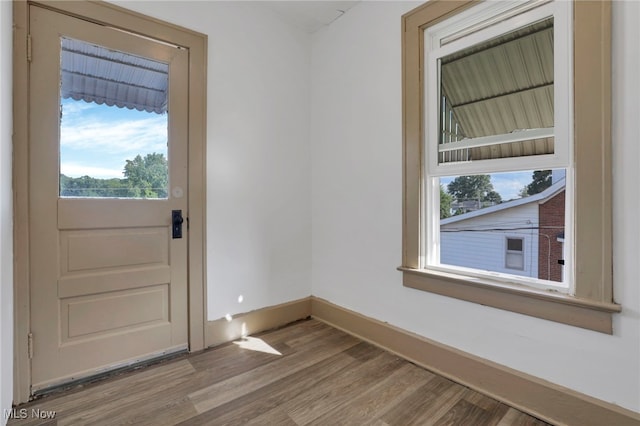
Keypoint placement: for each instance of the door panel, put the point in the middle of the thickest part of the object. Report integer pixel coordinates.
(108, 281)
(111, 312)
(125, 247)
(81, 284)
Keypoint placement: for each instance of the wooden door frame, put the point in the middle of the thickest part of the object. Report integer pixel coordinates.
(106, 14)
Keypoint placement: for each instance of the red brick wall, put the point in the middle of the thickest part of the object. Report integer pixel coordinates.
(551, 216)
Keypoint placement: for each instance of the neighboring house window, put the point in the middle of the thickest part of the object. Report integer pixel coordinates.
(498, 88)
(514, 255)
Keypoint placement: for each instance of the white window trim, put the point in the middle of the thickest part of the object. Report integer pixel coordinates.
(562, 131)
(507, 252)
(563, 110)
(521, 135)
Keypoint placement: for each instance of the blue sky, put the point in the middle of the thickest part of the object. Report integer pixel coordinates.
(96, 140)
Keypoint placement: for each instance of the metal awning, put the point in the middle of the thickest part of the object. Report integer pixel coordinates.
(96, 74)
(500, 88)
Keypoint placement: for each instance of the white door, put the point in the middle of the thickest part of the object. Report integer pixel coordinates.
(108, 172)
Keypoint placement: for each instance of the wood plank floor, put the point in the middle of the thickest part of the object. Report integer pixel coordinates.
(304, 374)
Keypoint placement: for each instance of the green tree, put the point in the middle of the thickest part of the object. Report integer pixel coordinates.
(445, 203)
(540, 180)
(87, 186)
(147, 177)
(144, 178)
(493, 198)
(475, 187)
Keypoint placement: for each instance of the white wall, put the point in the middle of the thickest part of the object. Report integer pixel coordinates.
(356, 139)
(6, 213)
(261, 211)
(258, 199)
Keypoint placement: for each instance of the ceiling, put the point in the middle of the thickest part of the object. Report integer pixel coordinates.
(96, 74)
(310, 15)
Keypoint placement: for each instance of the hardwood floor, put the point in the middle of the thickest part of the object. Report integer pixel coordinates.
(307, 373)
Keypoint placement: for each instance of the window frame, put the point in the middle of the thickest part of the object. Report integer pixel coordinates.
(520, 253)
(516, 17)
(489, 21)
(592, 305)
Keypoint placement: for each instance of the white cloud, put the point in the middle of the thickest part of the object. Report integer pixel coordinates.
(100, 129)
(95, 140)
(509, 189)
(78, 170)
(141, 135)
(76, 107)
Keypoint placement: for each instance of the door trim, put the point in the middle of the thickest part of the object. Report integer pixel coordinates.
(117, 17)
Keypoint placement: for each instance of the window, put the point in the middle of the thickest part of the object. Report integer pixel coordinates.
(113, 123)
(497, 111)
(498, 89)
(514, 254)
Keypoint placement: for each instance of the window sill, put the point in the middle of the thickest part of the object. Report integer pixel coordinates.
(558, 307)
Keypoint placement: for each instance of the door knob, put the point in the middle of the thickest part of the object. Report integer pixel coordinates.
(176, 223)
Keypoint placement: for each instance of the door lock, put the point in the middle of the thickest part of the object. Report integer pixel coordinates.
(176, 223)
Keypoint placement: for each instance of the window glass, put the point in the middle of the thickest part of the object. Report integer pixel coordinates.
(514, 258)
(113, 124)
(517, 216)
(514, 244)
(497, 97)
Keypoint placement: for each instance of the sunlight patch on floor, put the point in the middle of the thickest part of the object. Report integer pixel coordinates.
(256, 344)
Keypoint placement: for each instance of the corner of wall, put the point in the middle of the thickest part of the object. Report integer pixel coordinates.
(6, 210)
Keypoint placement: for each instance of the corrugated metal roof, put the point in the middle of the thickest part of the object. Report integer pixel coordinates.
(501, 86)
(96, 74)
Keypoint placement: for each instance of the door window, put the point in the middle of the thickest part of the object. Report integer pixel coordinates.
(113, 123)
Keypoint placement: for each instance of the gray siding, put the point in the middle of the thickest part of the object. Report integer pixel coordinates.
(480, 242)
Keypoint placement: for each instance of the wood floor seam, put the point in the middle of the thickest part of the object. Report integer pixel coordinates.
(307, 373)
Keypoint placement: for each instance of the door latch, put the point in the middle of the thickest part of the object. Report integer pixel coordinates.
(176, 223)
